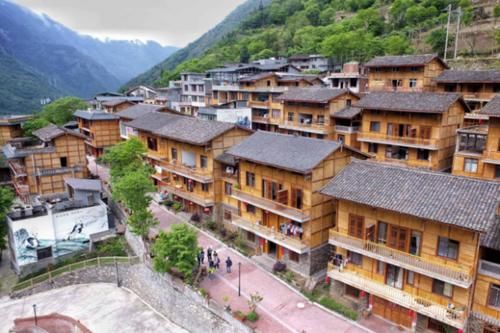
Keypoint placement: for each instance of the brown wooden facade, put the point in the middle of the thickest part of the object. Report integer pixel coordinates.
(11, 127)
(101, 133)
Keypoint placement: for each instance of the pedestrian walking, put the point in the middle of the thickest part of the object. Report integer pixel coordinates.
(217, 263)
(229, 263)
(214, 255)
(202, 256)
(198, 258)
(209, 253)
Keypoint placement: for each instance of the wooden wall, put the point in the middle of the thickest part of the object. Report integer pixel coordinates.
(9, 132)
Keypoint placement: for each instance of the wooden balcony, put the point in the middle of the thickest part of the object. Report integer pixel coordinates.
(17, 169)
(347, 129)
(450, 274)
(314, 127)
(478, 96)
(58, 171)
(260, 119)
(178, 190)
(431, 144)
(273, 206)
(291, 243)
(201, 175)
(452, 317)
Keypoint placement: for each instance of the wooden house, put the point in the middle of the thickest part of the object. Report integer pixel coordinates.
(308, 111)
(116, 105)
(280, 210)
(39, 165)
(406, 242)
(183, 151)
(101, 128)
(478, 147)
(478, 87)
(404, 72)
(413, 129)
(11, 127)
(346, 124)
(134, 112)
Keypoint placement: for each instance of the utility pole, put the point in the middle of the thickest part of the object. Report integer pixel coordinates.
(34, 311)
(447, 29)
(458, 30)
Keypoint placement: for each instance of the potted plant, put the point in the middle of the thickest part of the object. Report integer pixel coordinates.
(239, 315)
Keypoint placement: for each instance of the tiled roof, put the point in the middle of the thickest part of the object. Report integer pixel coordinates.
(348, 112)
(482, 76)
(492, 109)
(459, 201)
(116, 102)
(422, 102)
(151, 121)
(403, 60)
(138, 110)
(491, 239)
(313, 95)
(50, 132)
(289, 152)
(95, 115)
(226, 158)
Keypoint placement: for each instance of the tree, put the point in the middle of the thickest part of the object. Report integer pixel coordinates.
(177, 248)
(124, 156)
(6, 200)
(141, 222)
(34, 124)
(397, 45)
(496, 11)
(437, 40)
(132, 188)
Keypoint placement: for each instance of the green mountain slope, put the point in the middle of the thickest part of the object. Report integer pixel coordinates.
(199, 46)
(339, 29)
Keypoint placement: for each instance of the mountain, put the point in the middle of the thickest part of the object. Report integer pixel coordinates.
(342, 31)
(62, 61)
(199, 46)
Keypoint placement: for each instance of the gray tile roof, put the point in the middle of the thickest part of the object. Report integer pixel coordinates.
(492, 109)
(84, 184)
(491, 239)
(403, 60)
(50, 132)
(348, 112)
(95, 115)
(422, 102)
(151, 121)
(226, 158)
(283, 151)
(116, 102)
(480, 76)
(313, 95)
(460, 201)
(138, 110)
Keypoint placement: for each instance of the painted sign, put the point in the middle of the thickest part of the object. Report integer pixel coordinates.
(241, 116)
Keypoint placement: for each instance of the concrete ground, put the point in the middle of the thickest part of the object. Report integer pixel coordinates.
(7, 276)
(101, 307)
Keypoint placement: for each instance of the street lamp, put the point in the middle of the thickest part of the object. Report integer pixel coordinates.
(34, 311)
(239, 279)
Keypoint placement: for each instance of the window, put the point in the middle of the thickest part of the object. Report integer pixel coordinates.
(275, 114)
(43, 253)
(415, 241)
(290, 116)
(447, 248)
(382, 233)
(394, 276)
(374, 126)
(423, 154)
(250, 237)
(250, 179)
(413, 83)
(250, 209)
(398, 238)
(380, 267)
(396, 152)
(321, 120)
(494, 296)
(297, 198)
(320, 136)
(268, 83)
(410, 278)
(341, 138)
(470, 165)
(227, 215)
(348, 102)
(228, 188)
(204, 187)
(356, 225)
(203, 161)
(293, 256)
(152, 143)
(270, 189)
(372, 148)
(442, 288)
(414, 69)
(174, 153)
(355, 258)
(64, 162)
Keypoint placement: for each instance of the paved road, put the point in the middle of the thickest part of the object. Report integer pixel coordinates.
(101, 307)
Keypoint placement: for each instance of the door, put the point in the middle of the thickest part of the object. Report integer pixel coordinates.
(392, 312)
(394, 276)
(271, 249)
(398, 238)
(370, 233)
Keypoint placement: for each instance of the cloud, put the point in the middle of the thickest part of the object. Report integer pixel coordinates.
(170, 22)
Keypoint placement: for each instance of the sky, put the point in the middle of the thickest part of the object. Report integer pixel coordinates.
(169, 22)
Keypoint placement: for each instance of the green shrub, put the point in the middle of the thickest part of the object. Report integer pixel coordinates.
(115, 247)
(177, 206)
(289, 276)
(331, 304)
(211, 224)
(252, 316)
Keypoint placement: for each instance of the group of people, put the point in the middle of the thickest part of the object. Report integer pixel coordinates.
(213, 261)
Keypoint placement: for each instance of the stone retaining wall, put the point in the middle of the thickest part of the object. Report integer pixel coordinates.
(170, 297)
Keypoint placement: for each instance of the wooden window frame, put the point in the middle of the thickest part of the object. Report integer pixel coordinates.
(390, 237)
(250, 179)
(358, 230)
(448, 258)
(203, 161)
(444, 283)
(490, 287)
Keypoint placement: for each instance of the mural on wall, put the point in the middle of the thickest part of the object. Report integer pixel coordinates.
(241, 116)
(64, 232)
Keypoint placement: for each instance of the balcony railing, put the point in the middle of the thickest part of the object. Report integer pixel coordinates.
(489, 268)
(17, 169)
(452, 317)
(58, 171)
(398, 140)
(291, 243)
(260, 119)
(202, 175)
(273, 206)
(315, 127)
(21, 188)
(347, 129)
(459, 277)
(178, 190)
(478, 95)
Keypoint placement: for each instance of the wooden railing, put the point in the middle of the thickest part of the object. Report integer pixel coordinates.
(398, 140)
(202, 175)
(292, 243)
(313, 126)
(17, 168)
(347, 129)
(448, 315)
(273, 206)
(460, 277)
(99, 261)
(191, 196)
(260, 119)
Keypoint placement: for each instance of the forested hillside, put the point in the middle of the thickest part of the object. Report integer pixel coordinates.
(343, 30)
